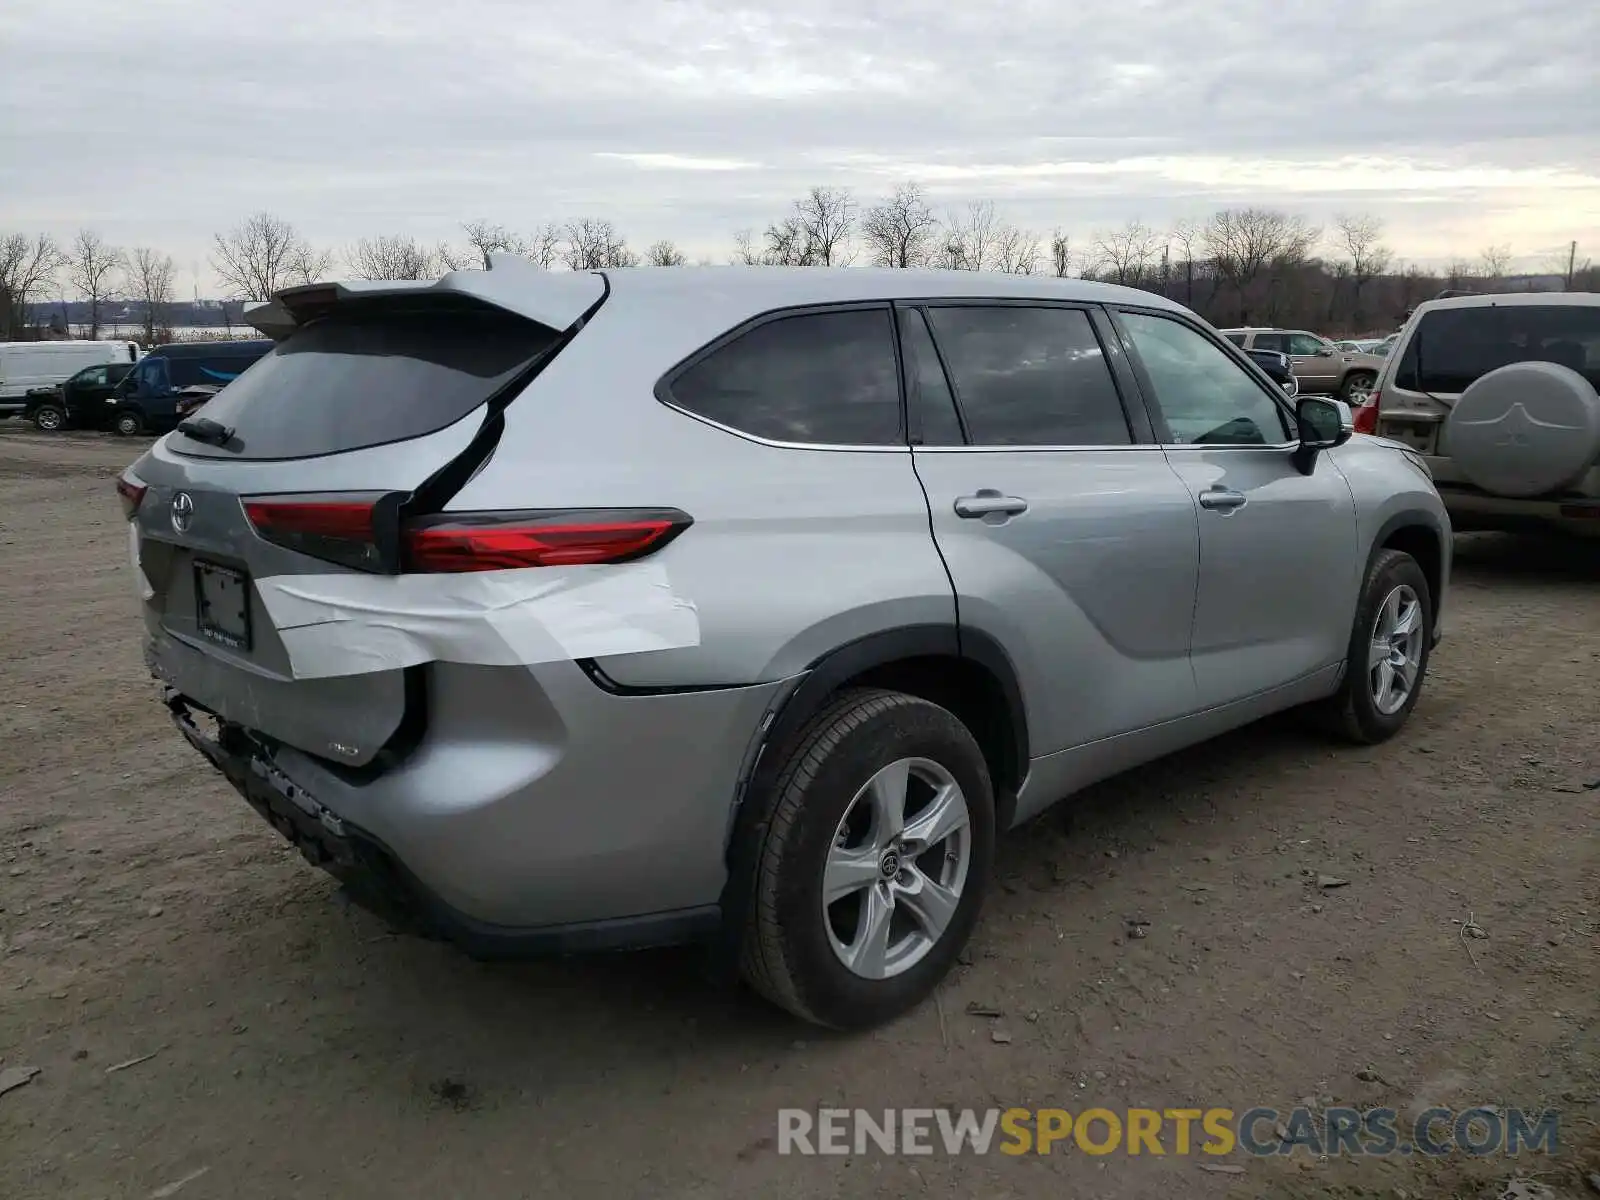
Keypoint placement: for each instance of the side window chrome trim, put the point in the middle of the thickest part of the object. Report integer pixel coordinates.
(864, 448)
(1093, 446)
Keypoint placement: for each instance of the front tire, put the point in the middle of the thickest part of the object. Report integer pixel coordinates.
(128, 424)
(872, 861)
(1389, 648)
(49, 419)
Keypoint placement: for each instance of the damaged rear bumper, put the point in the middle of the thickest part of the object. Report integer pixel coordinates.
(375, 877)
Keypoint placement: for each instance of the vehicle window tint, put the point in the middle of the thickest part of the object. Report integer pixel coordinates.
(150, 377)
(1452, 347)
(1206, 397)
(825, 378)
(1236, 338)
(931, 407)
(1304, 343)
(365, 378)
(93, 377)
(1272, 341)
(1030, 376)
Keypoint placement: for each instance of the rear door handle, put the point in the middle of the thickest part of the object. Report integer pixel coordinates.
(987, 502)
(1222, 499)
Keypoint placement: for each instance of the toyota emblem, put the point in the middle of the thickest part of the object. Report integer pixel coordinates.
(182, 511)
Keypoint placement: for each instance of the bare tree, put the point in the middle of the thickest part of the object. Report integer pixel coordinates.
(900, 231)
(264, 255)
(1242, 242)
(788, 244)
(1495, 261)
(828, 217)
(1360, 239)
(488, 239)
(593, 245)
(1017, 251)
(665, 253)
(543, 246)
(1458, 272)
(150, 276)
(1187, 234)
(745, 251)
(27, 267)
(970, 241)
(392, 256)
(454, 258)
(93, 270)
(1126, 255)
(1060, 254)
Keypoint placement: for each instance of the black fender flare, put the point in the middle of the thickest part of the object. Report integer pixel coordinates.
(1419, 518)
(797, 704)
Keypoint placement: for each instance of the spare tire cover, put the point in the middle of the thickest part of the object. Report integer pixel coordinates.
(1525, 429)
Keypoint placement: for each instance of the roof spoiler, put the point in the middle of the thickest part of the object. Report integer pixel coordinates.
(554, 299)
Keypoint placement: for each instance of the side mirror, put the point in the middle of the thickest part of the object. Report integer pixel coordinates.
(1324, 424)
(1324, 351)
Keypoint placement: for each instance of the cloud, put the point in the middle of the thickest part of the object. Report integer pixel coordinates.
(679, 162)
(1463, 123)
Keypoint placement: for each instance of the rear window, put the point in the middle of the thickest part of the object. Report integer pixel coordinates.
(820, 378)
(351, 381)
(1453, 347)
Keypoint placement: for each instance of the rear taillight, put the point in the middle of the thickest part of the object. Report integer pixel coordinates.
(1366, 417)
(506, 541)
(336, 528)
(347, 530)
(130, 491)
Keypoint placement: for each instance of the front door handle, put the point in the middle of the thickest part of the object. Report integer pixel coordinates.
(990, 503)
(1222, 499)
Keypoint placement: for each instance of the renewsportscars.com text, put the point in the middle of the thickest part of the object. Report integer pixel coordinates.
(1163, 1131)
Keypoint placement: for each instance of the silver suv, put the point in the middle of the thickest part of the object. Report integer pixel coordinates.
(1498, 393)
(560, 611)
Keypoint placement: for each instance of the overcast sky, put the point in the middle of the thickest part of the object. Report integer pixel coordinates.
(1463, 123)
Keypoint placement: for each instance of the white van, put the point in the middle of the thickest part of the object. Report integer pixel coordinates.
(28, 365)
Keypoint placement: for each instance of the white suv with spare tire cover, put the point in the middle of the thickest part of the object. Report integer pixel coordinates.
(1498, 393)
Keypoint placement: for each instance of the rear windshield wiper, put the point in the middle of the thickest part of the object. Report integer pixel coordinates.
(204, 429)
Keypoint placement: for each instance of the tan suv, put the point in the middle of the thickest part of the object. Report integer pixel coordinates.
(1321, 368)
(1498, 393)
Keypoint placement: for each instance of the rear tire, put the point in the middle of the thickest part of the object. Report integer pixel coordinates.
(128, 424)
(48, 418)
(823, 819)
(1357, 388)
(1369, 707)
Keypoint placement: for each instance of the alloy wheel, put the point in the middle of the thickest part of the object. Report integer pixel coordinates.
(894, 876)
(1395, 656)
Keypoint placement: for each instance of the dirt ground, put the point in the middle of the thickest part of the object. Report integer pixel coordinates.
(298, 1049)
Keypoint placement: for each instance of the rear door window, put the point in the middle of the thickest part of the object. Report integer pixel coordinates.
(1453, 347)
(817, 378)
(350, 381)
(1030, 376)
